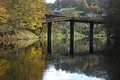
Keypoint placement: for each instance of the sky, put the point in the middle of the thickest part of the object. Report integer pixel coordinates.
(50, 1)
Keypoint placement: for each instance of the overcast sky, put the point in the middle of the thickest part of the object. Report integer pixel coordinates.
(50, 1)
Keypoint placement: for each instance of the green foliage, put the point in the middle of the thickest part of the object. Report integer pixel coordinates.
(99, 35)
(82, 5)
(92, 2)
(65, 3)
(113, 19)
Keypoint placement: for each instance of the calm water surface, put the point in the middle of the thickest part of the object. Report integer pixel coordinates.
(29, 60)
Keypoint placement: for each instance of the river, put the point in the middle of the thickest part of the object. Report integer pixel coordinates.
(29, 60)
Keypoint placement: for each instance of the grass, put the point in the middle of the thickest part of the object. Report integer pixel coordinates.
(73, 9)
(100, 36)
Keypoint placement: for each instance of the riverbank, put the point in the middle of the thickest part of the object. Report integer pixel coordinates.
(17, 34)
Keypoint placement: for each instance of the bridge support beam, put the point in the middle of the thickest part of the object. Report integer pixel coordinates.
(71, 37)
(108, 37)
(49, 48)
(91, 37)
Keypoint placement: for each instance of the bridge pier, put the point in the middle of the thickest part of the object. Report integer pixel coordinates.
(71, 37)
(57, 18)
(49, 48)
(91, 37)
(108, 37)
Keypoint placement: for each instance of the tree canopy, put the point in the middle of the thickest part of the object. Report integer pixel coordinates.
(24, 13)
(113, 26)
(3, 15)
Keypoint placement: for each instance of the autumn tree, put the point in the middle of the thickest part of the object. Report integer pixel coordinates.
(3, 16)
(94, 9)
(25, 13)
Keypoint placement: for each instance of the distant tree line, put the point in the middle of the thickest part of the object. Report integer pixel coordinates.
(84, 5)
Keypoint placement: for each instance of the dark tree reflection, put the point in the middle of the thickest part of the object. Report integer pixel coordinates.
(112, 60)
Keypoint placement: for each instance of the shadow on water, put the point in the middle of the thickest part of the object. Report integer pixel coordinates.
(112, 60)
(24, 61)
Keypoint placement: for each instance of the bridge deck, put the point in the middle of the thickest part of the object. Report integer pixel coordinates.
(57, 18)
(88, 20)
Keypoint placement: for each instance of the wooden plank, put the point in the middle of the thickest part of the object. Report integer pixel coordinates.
(49, 49)
(72, 37)
(83, 20)
(91, 37)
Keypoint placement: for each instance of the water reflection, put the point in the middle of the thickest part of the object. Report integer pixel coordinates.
(112, 60)
(89, 65)
(21, 63)
(52, 73)
(28, 61)
(80, 45)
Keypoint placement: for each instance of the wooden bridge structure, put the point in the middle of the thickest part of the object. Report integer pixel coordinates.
(57, 18)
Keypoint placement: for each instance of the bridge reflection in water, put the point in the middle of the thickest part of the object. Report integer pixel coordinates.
(72, 20)
(20, 61)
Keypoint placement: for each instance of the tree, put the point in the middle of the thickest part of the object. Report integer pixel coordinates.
(65, 3)
(82, 5)
(94, 9)
(113, 20)
(73, 3)
(102, 3)
(3, 16)
(92, 2)
(25, 13)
